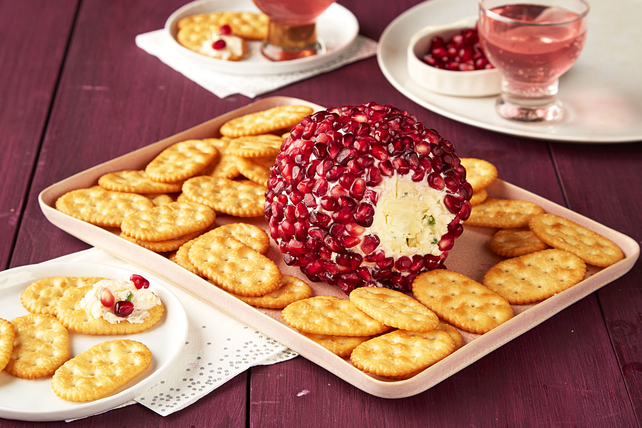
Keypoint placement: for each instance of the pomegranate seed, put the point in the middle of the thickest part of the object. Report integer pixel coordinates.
(354, 229)
(123, 308)
(462, 52)
(139, 281)
(106, 297)
(364, 215)
(329, 203)
(403, 263)
(453, 204)
(370, 243)
(225, 30)
(219, 44)
(386, 168)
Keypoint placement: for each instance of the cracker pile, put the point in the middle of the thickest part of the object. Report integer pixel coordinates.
(195, 30)
(225, 175)
(36, 345)
(381, 331)
(546, 254)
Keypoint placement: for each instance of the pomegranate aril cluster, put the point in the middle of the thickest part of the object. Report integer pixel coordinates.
(326, 182)
(462, 52)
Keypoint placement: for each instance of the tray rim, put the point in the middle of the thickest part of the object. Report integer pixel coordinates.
(271, 327)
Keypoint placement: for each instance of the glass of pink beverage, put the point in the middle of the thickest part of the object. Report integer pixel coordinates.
(532, 43)
(292, 29)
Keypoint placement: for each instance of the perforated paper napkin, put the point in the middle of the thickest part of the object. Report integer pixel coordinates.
(217, 349)
(157, 43)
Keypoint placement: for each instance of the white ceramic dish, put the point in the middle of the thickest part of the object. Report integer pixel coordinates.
(601, 92)
(477, 83)
(337, 28)
(33, 400)
(469, 256)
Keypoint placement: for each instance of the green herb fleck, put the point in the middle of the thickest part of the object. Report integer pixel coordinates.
(430, 219)
(434, 241)
(130, 296)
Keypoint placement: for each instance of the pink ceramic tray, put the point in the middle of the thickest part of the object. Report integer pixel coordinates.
(470, 256)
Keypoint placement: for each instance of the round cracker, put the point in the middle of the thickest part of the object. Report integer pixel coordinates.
(7, 335)
(43, 296)
(330, 316)
(252, 236)
(164, 246)
(101, 207)
(565, 234)
(394, 308)
(256, 169)
(402, 354)
(181, 161)
(265, 121)
(535, 276)
(479, 173)
(503, 213)
(169, 221)
(515, 242)
(246, 25)
(338, 345)
(255, 146)
(240, 198)
(461, 301)
(290, 290)
(40, 346)
(478, 197)
(234, 266)
(100, 370)
(133, 181)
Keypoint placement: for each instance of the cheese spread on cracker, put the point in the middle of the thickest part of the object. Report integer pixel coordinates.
(234, 47)
(122, 290)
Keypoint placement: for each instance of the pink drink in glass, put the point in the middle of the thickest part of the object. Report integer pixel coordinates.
(532, 45)
(292, 28)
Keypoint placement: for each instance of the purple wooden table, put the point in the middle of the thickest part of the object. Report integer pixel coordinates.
(75, 91)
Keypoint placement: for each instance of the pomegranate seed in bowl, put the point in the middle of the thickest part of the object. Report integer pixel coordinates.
(437, 56)
(384, 201)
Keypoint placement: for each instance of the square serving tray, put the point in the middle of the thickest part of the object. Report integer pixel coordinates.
(469, 256)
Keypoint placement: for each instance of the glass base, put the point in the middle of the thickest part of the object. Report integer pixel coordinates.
(287, 42)
(523, 112)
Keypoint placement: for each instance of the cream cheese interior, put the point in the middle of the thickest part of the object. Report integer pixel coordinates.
(410, 217)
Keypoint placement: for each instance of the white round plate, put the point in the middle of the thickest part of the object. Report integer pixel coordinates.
(34, 400)
(337, 28)
(602, 92)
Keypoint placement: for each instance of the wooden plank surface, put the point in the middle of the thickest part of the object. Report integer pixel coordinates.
(30, 62)
(579, 368)
(612, 198)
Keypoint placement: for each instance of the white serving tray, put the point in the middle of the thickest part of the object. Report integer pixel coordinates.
(469, 256)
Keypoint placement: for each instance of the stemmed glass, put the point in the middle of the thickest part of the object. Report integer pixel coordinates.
(532, 43)
(292, 28)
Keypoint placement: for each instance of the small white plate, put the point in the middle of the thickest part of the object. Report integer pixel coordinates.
(34, 400)
(601, 92)
(337, 28)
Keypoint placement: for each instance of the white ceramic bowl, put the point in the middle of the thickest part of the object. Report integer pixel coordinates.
(477, 83)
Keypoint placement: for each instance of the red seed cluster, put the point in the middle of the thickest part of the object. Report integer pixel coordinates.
(323, 191)
(462, 52)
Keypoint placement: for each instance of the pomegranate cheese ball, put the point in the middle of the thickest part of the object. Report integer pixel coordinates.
(366, 196)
